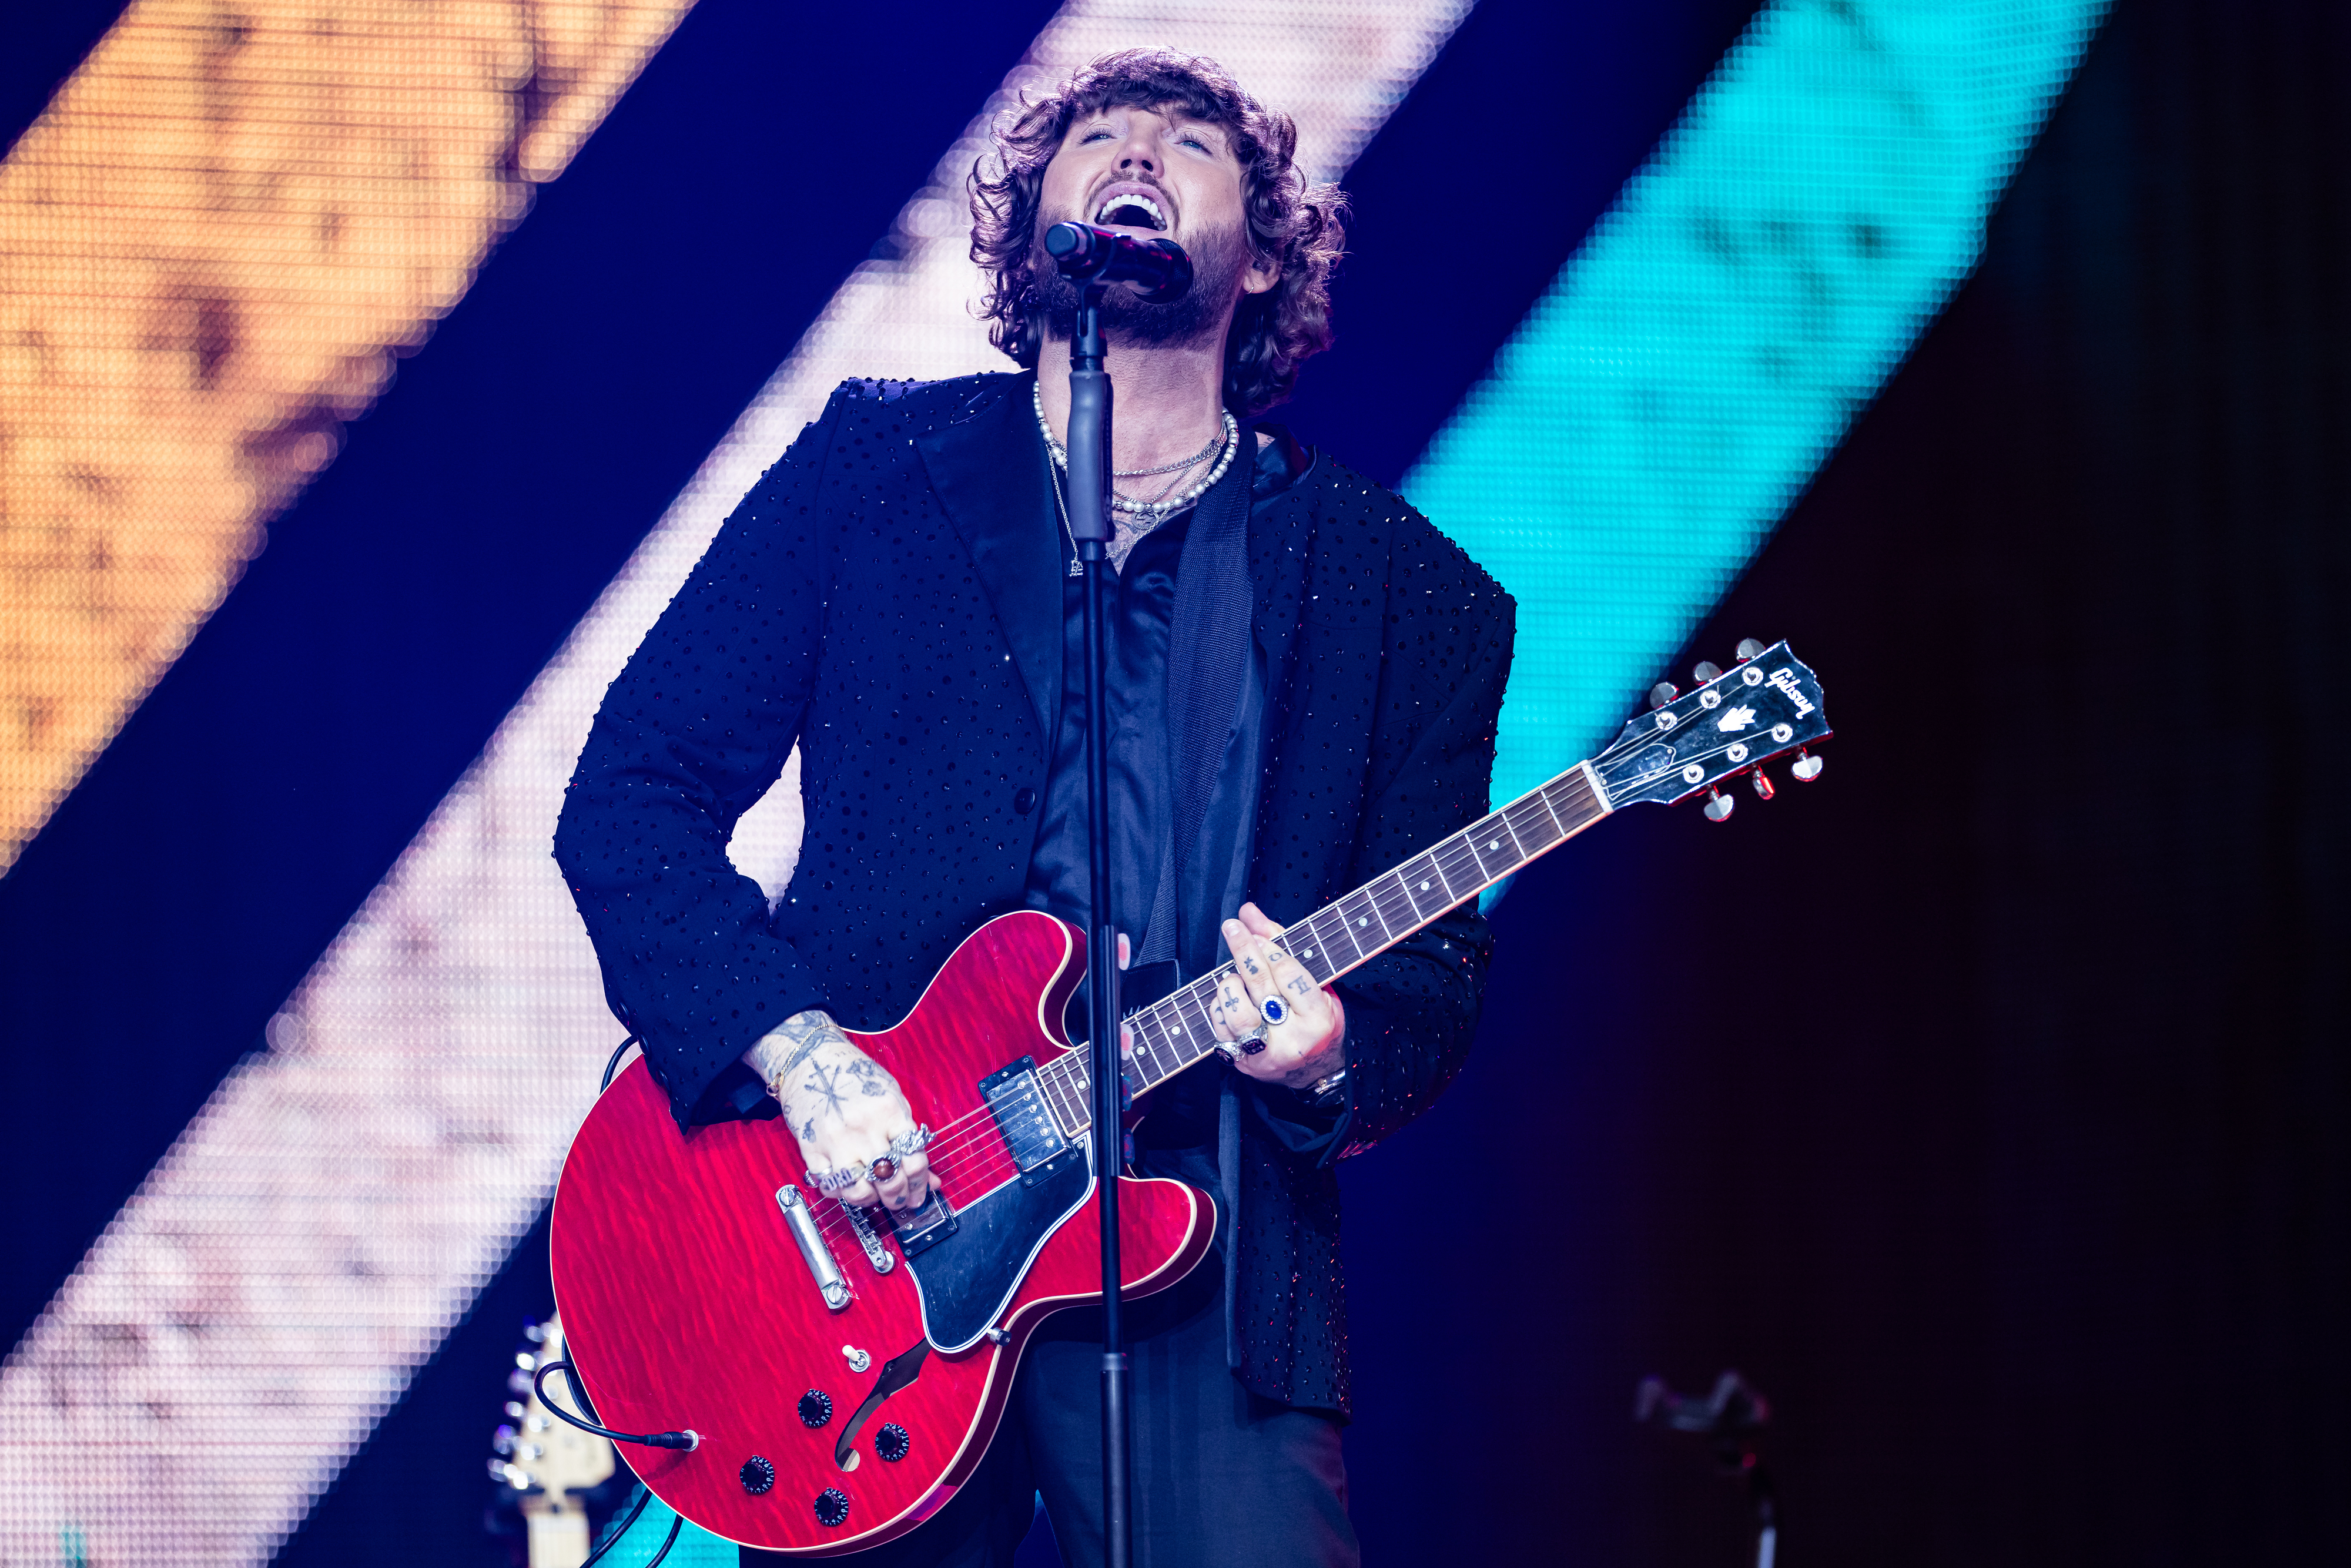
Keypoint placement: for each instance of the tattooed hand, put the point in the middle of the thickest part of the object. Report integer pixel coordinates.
(843, 1105)
(1310, 1041)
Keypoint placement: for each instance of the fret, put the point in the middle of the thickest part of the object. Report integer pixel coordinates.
(1458, 866)
(1150, 1064)
(1534, 826)
(1054, 1081)
(1423, 883)
(1193, 1001)
(1393, 901)
(1331, 927)
(1169, 1014)
(1509, 837)
(1359, 912)
(1497, 856)
(1309, 950)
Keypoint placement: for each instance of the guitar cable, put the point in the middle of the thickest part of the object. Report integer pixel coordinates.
(687, 1440)
(613, 1066)
(645, 1496)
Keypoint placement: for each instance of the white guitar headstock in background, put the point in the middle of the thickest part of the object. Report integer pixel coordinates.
(544, 1460)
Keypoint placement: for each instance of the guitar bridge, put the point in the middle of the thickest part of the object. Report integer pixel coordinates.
(876, 1253)
(1025, 1122)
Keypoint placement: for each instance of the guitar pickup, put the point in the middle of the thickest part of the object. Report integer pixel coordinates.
(1029, 1131)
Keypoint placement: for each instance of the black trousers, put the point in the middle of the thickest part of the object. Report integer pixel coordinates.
(1221, 1476)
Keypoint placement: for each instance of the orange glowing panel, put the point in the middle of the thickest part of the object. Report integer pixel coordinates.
(212, 245)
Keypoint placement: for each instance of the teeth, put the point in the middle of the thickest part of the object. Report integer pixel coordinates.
(1131, 199)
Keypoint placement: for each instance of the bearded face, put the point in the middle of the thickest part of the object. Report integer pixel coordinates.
(1219, 258)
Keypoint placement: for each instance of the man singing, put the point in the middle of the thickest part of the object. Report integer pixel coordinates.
(896, 598)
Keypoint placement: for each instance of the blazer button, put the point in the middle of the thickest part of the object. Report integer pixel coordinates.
(1024, 800)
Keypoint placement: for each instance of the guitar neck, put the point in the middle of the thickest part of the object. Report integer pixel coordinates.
(1174, 1033)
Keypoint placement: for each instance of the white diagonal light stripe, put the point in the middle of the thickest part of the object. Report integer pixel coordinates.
(256, 1308)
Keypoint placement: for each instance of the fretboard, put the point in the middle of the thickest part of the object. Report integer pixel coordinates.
(1174, 1033)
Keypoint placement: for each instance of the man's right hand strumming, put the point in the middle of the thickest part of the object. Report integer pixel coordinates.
(855, 1129)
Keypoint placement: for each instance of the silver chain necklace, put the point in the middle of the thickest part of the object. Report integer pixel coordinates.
(1151, 513)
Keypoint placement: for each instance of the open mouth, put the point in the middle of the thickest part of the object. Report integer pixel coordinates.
(1131, 209)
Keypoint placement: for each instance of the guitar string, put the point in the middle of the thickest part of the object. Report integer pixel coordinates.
(960, 1136)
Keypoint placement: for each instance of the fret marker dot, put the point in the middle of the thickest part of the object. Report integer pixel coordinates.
(1360, 920)
(1423, 887)
(1493, 843)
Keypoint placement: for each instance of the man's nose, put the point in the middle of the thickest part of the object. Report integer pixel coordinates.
(1136, 154)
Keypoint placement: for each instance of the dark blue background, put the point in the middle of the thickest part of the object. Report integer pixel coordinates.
(1983, 1103)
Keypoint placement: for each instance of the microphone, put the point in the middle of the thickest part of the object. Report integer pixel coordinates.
(1085, 253)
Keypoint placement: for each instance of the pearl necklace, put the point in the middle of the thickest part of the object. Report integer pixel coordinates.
(1150, 512)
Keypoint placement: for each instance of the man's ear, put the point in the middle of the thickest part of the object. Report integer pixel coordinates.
(1262, 275)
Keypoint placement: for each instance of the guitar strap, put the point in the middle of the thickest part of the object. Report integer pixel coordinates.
(1207, 654)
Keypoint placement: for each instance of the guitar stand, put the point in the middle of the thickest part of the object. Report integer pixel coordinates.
(1088, 446)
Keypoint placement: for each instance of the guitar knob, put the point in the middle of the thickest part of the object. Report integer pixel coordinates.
(1764, 790)
(1748, 649)
(1719, 806)
(1806, 768)
(891, 1443)
(756, 1475)
(1707, 670)
(816, 1408)
(1661, 693)
(833, 1506)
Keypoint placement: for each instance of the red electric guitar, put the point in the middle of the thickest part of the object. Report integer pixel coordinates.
(843, 1370)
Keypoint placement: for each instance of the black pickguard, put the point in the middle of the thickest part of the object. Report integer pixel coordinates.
(967, 1278)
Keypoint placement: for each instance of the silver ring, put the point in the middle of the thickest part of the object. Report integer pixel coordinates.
(837, 1181)
(1273, 1011)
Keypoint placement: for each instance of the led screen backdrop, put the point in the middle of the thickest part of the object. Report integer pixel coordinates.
(248, 1317)
(212, 247)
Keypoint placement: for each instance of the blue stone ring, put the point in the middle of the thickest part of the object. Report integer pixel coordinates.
(1273, 1011)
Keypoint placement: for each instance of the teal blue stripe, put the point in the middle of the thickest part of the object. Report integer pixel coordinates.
(1757, 282)
(695, 1548)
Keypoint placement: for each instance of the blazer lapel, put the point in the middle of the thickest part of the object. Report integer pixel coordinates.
(993, 479)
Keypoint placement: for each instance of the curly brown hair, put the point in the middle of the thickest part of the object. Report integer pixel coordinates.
(1299, 227)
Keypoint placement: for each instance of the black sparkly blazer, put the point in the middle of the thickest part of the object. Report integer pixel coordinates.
(888, 597)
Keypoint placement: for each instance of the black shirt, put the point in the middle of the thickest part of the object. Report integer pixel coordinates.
(1141, 613)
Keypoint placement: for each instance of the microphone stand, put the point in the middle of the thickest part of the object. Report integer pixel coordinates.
(1088, 446)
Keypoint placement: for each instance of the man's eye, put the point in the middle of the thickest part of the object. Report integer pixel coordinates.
(1093, 135)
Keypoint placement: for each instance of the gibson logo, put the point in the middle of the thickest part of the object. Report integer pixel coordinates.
(1785, 680)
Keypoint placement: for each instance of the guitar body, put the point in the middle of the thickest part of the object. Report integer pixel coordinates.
(688, 1303)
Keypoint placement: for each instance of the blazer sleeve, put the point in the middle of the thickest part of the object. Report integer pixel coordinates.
(696, 727)
(1412, 1012)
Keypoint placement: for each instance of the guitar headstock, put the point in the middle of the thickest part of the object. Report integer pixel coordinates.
(543, 1462)
(1732, 721)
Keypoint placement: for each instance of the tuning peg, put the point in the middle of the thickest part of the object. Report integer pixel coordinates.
(1705, 671)
(1661, 693)
(1719, 806)
(1748, 648)
(1805, 769)
(1764, 790)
